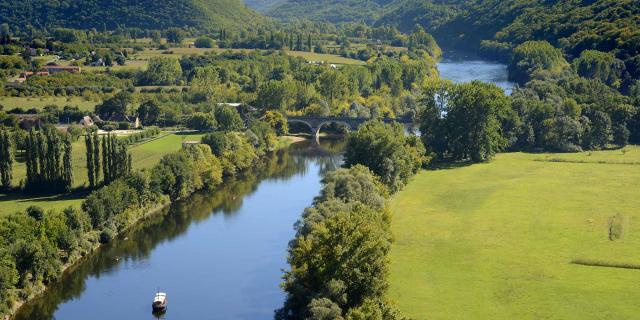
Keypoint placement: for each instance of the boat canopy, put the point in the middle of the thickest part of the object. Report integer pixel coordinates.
(160, 297)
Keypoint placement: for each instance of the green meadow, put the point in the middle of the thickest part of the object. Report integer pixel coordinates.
(497, 240)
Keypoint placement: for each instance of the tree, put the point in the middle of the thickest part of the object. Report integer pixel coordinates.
(174, 175)
(473, 120)
(228, 118)
(156, 36)
(562, 134)
(162, 71)
(599, 65)
(45, 166)
(175, 35)
(6, 159)
(115, 106)
(535, 56)
(597, 131)
(357, 183)
(202, 121)
(67, 165)
(149, 112)
(385, 150)
(276, 94)
(88, 142)
(332, 84)
(8, 279)
(96, 157)
(339, 254)
(277, 121)
(204, 42)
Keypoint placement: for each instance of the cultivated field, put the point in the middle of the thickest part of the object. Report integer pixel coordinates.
(145, 155)
(497, 240)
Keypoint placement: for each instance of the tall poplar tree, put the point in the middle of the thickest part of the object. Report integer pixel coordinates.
(6, 160)
(88, 141)
(67, 165)
(96, 157)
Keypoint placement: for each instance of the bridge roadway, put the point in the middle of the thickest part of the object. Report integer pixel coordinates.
(315, 123)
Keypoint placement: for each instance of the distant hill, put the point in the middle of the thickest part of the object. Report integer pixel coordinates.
(261, 5)
(328, 10)
(147, 14)
(574, 25)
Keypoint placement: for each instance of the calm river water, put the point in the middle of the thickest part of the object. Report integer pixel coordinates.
(464, 67)
(218, 255)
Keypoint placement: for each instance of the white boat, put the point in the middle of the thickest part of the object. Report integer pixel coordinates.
(160, 302)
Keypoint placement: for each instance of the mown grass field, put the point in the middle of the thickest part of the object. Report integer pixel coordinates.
(496, 240)
(145, 155)
(40, 102)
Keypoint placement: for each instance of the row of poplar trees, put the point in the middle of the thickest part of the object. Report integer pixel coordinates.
(116, 160)
(48, 159)
(6, 159)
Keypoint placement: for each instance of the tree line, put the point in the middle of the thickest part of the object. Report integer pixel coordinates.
(116, 160)
(339, 256)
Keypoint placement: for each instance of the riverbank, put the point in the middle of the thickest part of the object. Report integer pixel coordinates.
(130, 218)
(205, 237)
(68, 267)
(502, 236)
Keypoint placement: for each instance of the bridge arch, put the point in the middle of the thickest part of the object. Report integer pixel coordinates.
(306, 123)
(316, 131)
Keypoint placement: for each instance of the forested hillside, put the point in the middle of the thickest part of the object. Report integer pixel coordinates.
(145, 14)
(573, 25)
(328, 10)
(260, 5)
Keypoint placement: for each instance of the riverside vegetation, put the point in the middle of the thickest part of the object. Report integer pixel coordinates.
(339, 257)
(37, 244)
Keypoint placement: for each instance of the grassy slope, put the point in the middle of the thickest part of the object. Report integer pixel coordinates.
(495, 240)
(144, 156)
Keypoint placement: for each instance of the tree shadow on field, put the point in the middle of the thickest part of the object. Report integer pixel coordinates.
(22, 197)
(448, 164)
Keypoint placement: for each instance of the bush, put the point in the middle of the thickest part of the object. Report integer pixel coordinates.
(124, 126)
(204, 42)
(107, 235)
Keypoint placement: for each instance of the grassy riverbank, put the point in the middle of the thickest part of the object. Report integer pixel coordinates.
(497, 240)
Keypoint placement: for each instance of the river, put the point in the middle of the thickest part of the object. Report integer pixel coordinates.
(464, 67)
(218, 255)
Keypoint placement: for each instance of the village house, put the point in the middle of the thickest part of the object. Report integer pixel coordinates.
(86, 121)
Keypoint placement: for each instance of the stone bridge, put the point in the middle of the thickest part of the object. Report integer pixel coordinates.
(315, 123)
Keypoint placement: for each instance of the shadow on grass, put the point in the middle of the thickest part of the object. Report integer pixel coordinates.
(19, 197)
(448, 164)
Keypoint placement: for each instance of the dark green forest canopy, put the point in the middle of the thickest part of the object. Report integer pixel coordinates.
(145, 14)
(328, 10)
(573, 25)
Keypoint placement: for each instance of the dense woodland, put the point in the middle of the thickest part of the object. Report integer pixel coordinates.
(101, 15)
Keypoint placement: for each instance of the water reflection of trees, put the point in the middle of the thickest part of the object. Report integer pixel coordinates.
(138, 242)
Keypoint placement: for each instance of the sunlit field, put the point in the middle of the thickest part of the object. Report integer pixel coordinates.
(504, 239)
